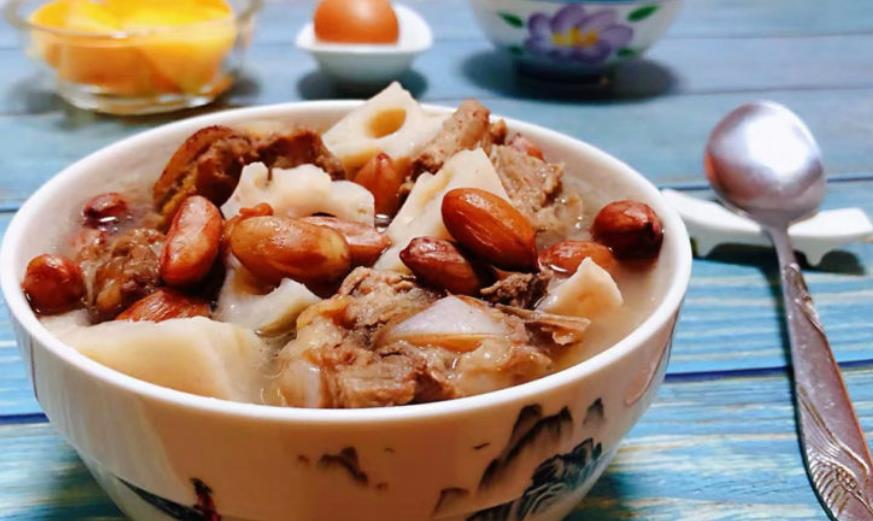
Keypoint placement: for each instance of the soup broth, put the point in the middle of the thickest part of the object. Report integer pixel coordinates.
(258, 261)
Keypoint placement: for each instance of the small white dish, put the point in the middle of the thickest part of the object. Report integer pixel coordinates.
(711, 224)
(370, 65)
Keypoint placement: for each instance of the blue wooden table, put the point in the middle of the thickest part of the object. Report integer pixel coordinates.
(719, 443)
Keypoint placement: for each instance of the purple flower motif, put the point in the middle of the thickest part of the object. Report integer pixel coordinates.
(572, 34)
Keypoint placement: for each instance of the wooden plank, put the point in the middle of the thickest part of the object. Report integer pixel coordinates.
(702, 65)
(732, 315)
(457, 69)
(716, 449)
(742, 18)
(663, 137)
(706, 450)
(731, 318)
(709, 449)
(42, 478)
(453, 19)
(16, 397)
(469, 67)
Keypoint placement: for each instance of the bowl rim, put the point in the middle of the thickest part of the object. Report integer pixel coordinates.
(659, 318)
(11, 11)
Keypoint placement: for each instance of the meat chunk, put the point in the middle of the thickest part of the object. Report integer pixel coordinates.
(521, 290)
(533, 185)
(127, 271)
(467, 128)
(349, 353)
(336, 339)
(499, 363)
(89, 244)
(377, 298)
(497, 134)
(299, 147)
(547, 329)
(371, 378)
(208, 163)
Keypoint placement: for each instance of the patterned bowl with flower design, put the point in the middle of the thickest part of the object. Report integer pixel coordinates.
(574, 37)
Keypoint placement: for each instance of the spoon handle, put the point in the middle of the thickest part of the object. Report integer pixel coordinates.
(835, 451)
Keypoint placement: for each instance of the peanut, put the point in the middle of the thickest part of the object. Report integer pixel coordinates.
(53, 284)
(259, 210)
(565, 257)
(491, 228)
(383, 180)
(365, 242)
(165, 304)
(630, 228)
(440, 264)
(273, 248)
(104, 209)
(192, 242)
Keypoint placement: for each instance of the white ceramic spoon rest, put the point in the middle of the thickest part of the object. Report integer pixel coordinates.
(711, 224)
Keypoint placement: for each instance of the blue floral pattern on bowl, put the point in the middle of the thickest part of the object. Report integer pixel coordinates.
(577, 35)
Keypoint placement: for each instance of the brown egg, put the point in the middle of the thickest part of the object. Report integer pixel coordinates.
(356, 21)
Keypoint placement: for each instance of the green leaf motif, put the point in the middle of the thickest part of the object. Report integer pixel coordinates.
(642, 13)
(512, 19)
(516, 50)
(626, 52)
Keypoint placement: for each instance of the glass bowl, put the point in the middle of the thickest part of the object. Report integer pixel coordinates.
(143, 71)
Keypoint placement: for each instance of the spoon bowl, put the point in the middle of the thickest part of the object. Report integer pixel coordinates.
(762, 160)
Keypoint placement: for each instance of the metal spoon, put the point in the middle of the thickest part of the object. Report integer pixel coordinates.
(763, 161)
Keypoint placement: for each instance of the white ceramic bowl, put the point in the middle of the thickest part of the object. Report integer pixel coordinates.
(527, 452)
(370, 66)
(574, 37)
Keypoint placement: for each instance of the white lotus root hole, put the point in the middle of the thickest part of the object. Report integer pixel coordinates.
(387, 122)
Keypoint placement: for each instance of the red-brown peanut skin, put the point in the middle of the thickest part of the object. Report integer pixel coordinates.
(53, 284)
(193, 241)
(440, 264)
(365, 242)
(165, 304)
(105, 208)
(565, 257)
(273, 248)
(630, 228)
(380, 176)
(259, 210)
(491, 228)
